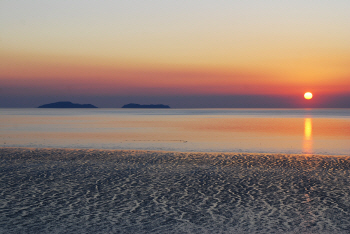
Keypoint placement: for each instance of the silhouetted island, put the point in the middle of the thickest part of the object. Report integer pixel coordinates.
(66, 105)
(134, 105)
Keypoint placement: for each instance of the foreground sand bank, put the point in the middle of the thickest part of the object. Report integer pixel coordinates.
(119, 191)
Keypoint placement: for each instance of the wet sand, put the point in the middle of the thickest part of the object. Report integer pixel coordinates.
(111, 191)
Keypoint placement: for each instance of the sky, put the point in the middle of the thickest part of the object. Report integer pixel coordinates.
(187, 54)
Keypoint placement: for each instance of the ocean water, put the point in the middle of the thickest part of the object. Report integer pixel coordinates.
(294, 131)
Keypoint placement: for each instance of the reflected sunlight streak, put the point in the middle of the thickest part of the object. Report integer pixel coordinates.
(307, 143)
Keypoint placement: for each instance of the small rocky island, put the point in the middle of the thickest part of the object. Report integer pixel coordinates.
(67, 105)
(134, 105)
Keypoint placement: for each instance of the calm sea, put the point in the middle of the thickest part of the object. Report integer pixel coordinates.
(308, 131)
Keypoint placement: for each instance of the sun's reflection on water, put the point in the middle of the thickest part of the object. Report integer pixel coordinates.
(307, 143)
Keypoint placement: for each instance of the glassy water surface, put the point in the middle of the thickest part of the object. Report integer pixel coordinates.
(308, 131)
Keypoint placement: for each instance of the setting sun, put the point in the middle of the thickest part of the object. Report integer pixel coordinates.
(308, 95)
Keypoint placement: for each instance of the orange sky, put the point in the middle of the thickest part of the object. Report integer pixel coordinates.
(95, 77)
(175, 48)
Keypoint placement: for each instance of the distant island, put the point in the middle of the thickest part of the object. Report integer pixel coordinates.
(134, 105)
(66, 105)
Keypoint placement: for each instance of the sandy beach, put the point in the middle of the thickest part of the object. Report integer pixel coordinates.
(114, 191)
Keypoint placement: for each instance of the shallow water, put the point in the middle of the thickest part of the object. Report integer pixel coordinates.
(309, 131)
(77, 191)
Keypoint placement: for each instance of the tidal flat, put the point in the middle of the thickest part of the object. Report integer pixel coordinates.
(129, 191)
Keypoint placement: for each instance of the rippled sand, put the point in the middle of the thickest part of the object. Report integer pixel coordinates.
(93, 191)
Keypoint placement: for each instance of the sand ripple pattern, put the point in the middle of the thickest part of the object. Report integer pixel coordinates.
(93, 191)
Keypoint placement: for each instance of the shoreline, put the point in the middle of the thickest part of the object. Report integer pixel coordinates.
(256, 161)
(180, 152)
